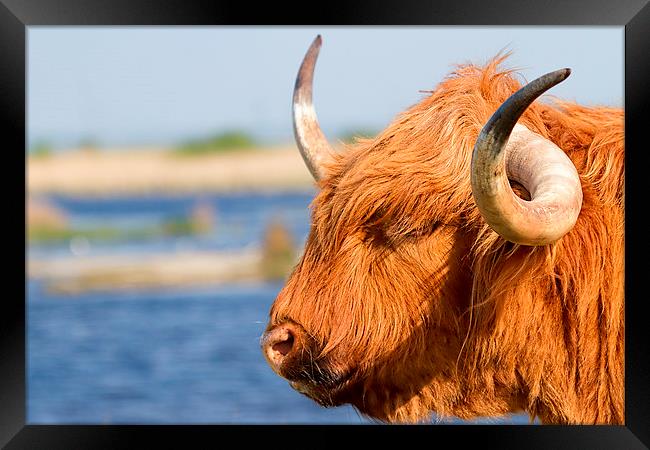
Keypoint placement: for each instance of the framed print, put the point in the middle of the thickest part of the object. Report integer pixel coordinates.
(233, 224)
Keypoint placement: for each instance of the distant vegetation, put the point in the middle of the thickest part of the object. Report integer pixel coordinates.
(49, 224)
(43, 148)
(219, 143)
(40, 149)
(279, 252)
(178, 226)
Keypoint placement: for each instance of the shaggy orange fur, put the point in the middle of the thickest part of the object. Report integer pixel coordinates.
(419, 306)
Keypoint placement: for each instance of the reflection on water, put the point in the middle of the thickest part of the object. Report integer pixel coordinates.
(189, 355)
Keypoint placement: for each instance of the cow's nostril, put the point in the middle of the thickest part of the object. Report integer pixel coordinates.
(278, 343)
(284, 347)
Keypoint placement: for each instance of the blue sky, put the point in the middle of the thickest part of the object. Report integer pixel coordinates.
(160, 85)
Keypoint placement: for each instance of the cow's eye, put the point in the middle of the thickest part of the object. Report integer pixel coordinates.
(380, 232)
(395, 234)
(374, 233)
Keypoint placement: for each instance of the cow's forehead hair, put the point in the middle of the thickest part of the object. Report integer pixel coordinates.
(416, 171)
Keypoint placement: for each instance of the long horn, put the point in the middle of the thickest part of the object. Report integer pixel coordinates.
(505, 150)
(313, 145)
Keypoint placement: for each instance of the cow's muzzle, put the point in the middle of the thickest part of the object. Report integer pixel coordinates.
(285, 346)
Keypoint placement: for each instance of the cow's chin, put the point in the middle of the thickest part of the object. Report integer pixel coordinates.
(323, 396)
(328, 390)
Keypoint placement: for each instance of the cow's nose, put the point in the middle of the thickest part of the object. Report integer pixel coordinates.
(279, 343)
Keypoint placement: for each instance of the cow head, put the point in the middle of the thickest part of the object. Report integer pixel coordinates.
(375, 312)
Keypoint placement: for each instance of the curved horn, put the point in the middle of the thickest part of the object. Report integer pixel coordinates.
(311, 141)
(505, 150)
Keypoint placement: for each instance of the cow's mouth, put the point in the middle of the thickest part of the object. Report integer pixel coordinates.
(327, 394)
(320, 396)
(318, 380)
(292, 353)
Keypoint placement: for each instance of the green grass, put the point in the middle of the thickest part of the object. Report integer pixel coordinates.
(220, 143)
(181, 226)
(48, 234)
(172, 227)
(41, 149)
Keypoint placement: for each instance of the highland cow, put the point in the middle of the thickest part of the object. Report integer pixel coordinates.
(467, 261)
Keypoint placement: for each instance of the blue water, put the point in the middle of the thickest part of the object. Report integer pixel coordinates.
(160, 357)
(170, 356)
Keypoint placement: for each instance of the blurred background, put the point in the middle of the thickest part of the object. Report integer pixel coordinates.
(167, 203)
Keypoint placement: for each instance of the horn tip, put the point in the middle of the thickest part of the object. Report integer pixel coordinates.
(565, 73)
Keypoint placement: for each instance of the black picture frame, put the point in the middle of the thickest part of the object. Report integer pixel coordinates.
(17, 15)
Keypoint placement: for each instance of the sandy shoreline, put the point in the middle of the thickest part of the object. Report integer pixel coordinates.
(140, 172)
(153, 171)
(73, 275)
